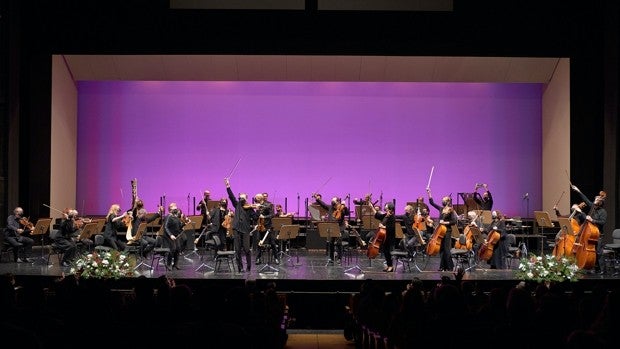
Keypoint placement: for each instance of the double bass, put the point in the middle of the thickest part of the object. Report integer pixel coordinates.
(588, 239)
(566, 242)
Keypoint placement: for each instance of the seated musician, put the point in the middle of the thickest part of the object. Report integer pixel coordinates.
(64, 239)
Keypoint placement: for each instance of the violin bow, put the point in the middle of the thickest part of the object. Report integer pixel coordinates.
(322, 185)
(561, 196)
(233, 170)
(567, 176)
(430, 177)
(55, 209)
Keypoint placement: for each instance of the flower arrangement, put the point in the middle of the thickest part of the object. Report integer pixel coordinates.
(548, 268)
(103, 265)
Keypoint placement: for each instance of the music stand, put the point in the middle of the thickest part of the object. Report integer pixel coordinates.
(288, 232)
(484, 216)
(363, 210)
(328, 230)
(544, 221)
(316, 212)
(565, 225)
(190, 228)
(276, 225)
(42, 227)
(88, 230)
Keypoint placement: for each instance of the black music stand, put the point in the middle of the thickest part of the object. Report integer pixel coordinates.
(42, 227)
(328, 230)
(141, 231)
(288, 232)
(270, 268)
(88, 230)
(189, 230)
(478, 240)
(543, 221)
(276, 225)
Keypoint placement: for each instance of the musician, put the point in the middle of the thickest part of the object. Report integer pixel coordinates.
(367, 200)
(410, 241)
(218, 217)
(204, 209)
(140, 214)
(598, 217)
(447, 217)
(264, 210)
(419, 204)
(114, 223)
(17, 235)
(579, 215)
(388, 222)
(173, 230)
(280, 212)
(500, 250)
(242, 225)
(64, 239)
(336, 212)
(485, 201)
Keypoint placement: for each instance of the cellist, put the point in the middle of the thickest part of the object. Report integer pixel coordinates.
(388, 222)
(447, 218)
(500, 250)
(598, 217)
(337, 212)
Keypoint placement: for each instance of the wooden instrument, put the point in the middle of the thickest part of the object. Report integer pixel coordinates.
(588, 239)
(564, 245)
(469, 240)
(375, 244)
(434, 244)
(26, 223)
(486, 250)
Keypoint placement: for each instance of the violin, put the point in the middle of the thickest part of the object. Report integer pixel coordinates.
(80, 221)
(26, 223)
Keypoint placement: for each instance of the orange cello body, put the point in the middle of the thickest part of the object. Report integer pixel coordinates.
(586, 248)
(375, 244)
(469, 240)
(434, 244)
(486, 250)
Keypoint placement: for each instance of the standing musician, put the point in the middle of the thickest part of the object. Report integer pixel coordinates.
(485, 201)
(264, 228)
(204, 209)
(500, 250)
(448, 218)
(146, 242)
(336, 212)
(113, 223)
(219, 216)
(63, 241)
(173, 230)
(367, 200)
(388, 222)
(598, 217)
(16, 234)
(242, 226)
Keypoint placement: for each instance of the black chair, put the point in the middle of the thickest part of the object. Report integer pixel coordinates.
(5, 247)
(223, 255)
(159, 253)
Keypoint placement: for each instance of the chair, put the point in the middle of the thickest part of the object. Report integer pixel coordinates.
(5, 247)
(462, 256)
(53, 248)
(159, 253)
(514, 252)
(611, 253)
(223, 255)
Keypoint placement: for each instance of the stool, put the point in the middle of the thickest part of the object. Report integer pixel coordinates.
(461, 257)
(228, 256)
(404, 259)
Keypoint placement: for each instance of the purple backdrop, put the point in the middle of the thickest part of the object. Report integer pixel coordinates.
(293, 138)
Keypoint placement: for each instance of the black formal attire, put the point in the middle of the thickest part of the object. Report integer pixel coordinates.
(63, 241)
(335, 242)
(485, 204)
(22, 243)
(110, 234)
(410, 240)
(445, 256)
(599, 218)
(172, 227)
(242, 226)
(204, 212)
(266, 210)
(147, 243)
(218, 215)
(500, 250)
(389, 221)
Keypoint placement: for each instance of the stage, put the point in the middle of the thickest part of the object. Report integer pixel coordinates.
(315, 290)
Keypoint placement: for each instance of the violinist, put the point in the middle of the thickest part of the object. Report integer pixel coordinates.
(204, 208)
(598, 217)
(336, 212)
(63, 240)
(16, 233)
(242, 225)
(114, 223)
(265, 236)
(219, 215)
(447, 218)
(140, 215)
(388, 222)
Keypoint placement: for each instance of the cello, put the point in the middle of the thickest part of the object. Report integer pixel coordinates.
(375, 245)
(434, 244)
(486, 250)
